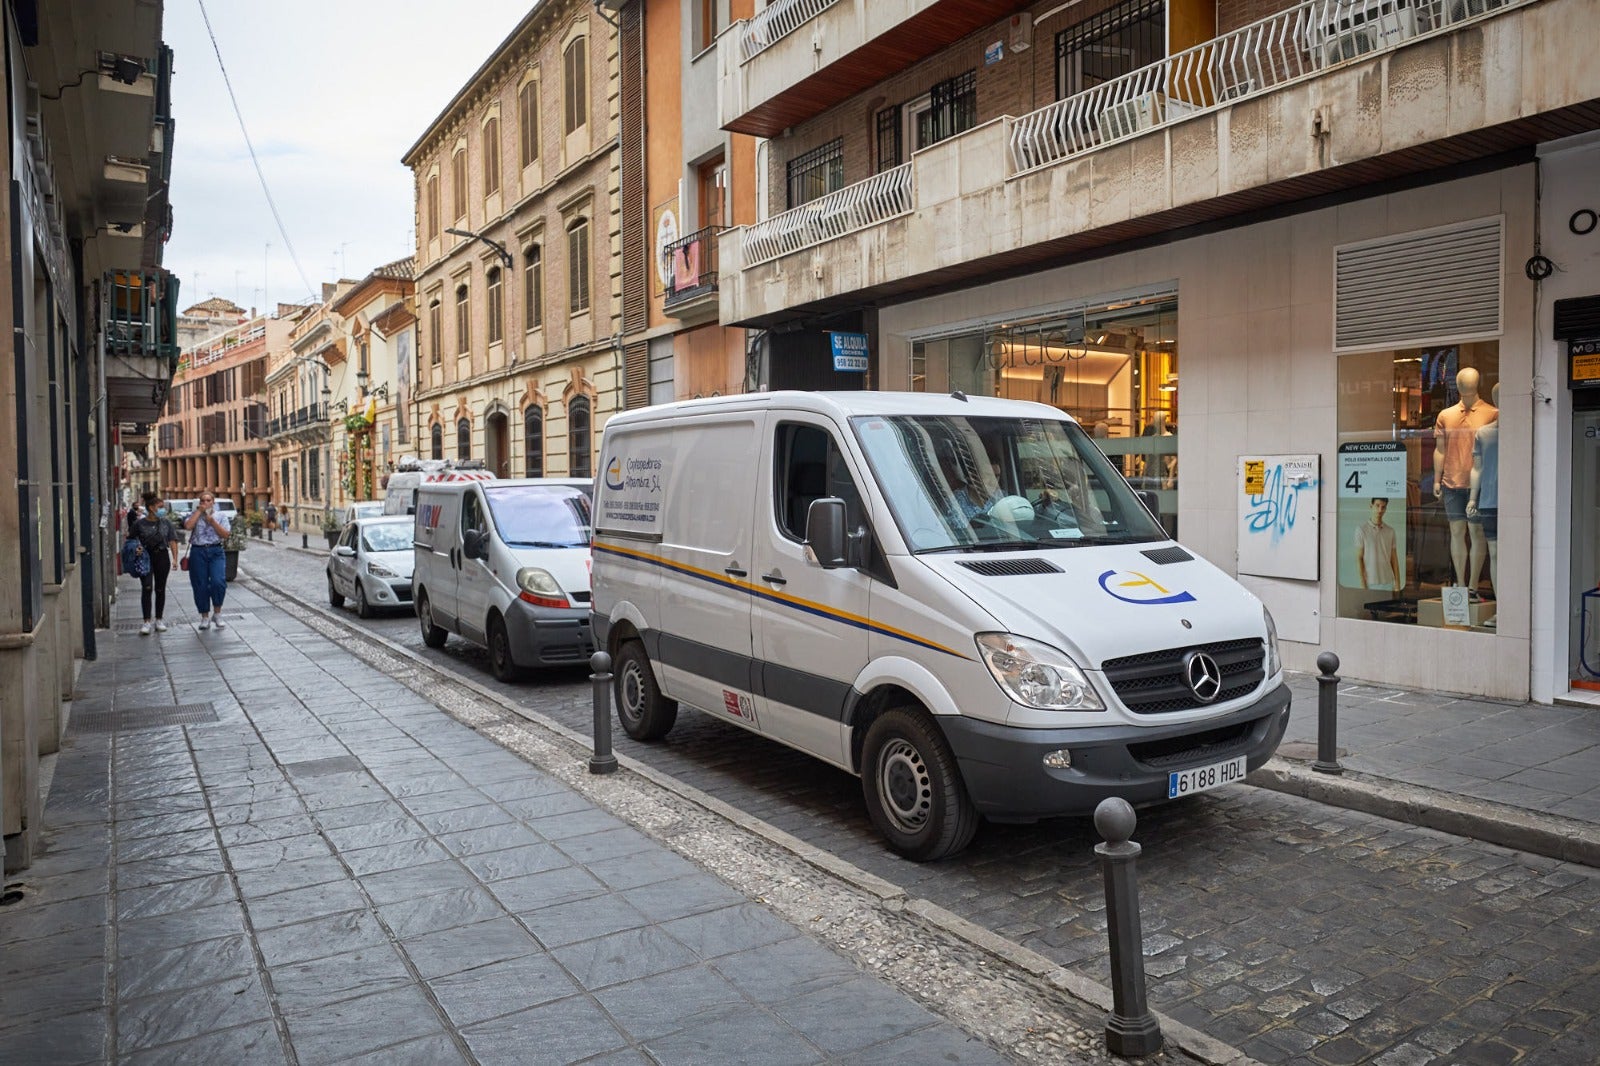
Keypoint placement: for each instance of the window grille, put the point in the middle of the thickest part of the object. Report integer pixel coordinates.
(1109, 45)
(816, 173)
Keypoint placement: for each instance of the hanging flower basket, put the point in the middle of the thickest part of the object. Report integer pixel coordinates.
(356, 423)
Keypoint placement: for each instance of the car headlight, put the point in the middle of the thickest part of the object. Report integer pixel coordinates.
(540, 587)
(379, 570)
(1037, 675)
(1274, 664)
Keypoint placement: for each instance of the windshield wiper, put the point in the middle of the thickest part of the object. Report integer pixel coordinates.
(545, 544)
(984, 546)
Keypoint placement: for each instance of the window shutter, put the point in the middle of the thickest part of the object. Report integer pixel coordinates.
(635, 239)
(636, 375)
(1419, 288)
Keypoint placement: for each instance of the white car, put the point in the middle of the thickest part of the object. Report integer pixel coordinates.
(363, 509)
(370, 565)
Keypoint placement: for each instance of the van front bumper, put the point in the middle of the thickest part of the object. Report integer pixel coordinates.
(1006, 778)
(548, 636)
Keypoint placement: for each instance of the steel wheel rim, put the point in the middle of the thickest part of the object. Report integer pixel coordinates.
(499, 647)
(425, 614)
(904, 785)
(630, 692)
(361, 595)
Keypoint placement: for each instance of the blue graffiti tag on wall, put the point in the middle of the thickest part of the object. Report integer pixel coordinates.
(1274, 510)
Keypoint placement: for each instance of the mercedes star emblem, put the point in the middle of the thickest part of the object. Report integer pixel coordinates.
(1203, 675)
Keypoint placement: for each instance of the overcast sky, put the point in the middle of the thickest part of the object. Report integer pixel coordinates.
(333, 92)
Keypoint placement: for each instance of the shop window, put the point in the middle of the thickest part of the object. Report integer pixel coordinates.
(816, 173)
(1418, 485)
(1109, 45)
(1114, 369)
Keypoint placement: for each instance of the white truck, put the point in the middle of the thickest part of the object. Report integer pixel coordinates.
(958, 599)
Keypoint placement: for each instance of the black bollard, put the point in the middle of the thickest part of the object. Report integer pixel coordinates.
(1131, 1030)
(304, 540)
(602, 761)
(1328, 716)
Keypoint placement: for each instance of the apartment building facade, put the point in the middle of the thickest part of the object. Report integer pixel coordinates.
(302, 372)
(372, 417)
(519, 359)
(212, 436)
(683, 181)
(91, 316)
(1359, 230)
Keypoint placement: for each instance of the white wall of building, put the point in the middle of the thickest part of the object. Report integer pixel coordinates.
(1259, 376)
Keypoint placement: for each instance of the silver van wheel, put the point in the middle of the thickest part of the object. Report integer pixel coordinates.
(644, 713)
(904, 784)
(912, 785)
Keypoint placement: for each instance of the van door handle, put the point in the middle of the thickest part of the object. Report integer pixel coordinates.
(774, 578)
(734, 571)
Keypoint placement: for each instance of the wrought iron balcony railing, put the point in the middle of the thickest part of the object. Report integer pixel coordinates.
(691, 266)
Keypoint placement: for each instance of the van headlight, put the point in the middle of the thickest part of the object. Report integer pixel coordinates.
(539, 587)
(1037, 675)
(1274, 664)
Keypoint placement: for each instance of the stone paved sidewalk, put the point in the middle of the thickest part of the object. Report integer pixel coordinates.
(260, 850)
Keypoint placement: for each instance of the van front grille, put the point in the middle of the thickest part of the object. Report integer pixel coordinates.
(1154, 682)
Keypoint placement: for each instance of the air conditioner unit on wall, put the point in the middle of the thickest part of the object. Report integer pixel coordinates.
(1021, 32)
(1130, 116)
(1365, 28)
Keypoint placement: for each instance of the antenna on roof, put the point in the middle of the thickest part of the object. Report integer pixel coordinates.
(959, 395)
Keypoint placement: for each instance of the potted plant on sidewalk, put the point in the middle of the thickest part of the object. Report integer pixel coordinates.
(232, 547)
(256, 521)
(331, 528)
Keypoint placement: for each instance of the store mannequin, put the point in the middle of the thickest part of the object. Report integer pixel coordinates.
(1454, 432)
(1483, 499)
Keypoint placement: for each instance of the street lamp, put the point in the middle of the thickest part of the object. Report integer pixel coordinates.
(505, 256)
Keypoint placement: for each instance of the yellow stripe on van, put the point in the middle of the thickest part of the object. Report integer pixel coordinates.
(772, 596)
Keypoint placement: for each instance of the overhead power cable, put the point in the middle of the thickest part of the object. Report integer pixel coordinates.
(254, 160)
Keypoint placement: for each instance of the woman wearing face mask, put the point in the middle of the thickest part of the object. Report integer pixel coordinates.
(153, 529)
(208, 566)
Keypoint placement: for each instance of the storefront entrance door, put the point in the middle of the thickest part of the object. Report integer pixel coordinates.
(1584, 666)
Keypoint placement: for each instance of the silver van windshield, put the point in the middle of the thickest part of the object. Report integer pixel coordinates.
(540, 516)
(957, 483)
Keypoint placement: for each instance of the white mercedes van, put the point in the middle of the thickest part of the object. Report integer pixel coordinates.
(505, 564)
(958, 599)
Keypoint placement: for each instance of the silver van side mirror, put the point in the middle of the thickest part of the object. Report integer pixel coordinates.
(825, 534)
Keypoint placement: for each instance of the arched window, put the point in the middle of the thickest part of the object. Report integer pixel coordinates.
(491, 157)
(496, 299)
(433, 206)
(578, 266)
(532, 289)
(435, 326)
(528, 121)
(575, 79)
(464, 439)
(578, 436)
(533, 435)
(463, 322)
(458, 184)
(438, 441)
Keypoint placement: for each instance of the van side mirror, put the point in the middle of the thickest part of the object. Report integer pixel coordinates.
(475, 544)
(1151, 501)
(825, 534)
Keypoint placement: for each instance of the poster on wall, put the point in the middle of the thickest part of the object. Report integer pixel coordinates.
(1372, 517)
(1278, 504)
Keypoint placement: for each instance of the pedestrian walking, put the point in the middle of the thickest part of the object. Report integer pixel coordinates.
(152, 528)
(208, 566)
(272, 515)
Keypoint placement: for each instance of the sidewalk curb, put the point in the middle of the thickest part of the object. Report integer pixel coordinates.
(1549, 835)
(1179, 1037)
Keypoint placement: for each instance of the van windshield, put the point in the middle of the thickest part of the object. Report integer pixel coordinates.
(540, 516)
(959, 483)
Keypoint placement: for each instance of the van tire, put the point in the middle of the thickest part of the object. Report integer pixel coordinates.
(335, 600)
(433, 636)
(913, 786)
(500, 661)
(644, 712)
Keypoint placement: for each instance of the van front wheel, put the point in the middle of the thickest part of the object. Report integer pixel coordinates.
(644, 712)
(433, 636)
(913, 787)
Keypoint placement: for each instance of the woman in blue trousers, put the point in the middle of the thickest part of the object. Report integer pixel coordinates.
(208, 567)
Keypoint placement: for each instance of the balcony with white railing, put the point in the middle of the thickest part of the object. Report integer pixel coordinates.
(796, 58)
(1320, 97)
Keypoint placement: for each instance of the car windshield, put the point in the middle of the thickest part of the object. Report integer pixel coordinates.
(387, 537)
(540, 516)
(957, 483)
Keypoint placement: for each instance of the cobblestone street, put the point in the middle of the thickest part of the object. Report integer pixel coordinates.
(1295, 931)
